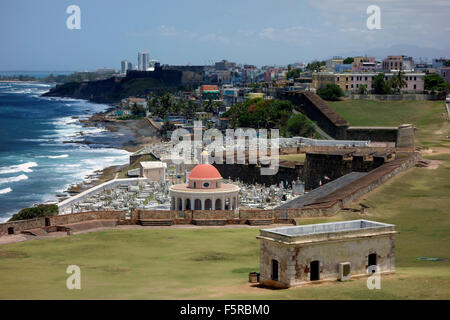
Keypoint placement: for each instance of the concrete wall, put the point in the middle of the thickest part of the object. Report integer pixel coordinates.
(294, 260)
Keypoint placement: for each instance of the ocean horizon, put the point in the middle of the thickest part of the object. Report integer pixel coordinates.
(36, 160)
(36, 74)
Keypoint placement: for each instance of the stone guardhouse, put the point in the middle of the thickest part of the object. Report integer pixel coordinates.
(292, 256)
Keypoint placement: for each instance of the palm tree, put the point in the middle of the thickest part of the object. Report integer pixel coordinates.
(398, 81)
(362, 89)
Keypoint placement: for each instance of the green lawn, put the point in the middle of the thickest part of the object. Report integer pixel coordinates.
(299, 157)
(213, 263)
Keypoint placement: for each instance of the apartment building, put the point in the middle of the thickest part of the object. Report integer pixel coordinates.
(351, 82)
(398, 63)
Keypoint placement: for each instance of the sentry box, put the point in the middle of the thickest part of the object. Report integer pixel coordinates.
(291, 256)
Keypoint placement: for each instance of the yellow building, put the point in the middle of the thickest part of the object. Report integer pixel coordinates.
(254, 95)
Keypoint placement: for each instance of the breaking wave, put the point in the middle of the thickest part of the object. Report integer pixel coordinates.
(58, 157)
(25, 167)
(6, 190)
(13, 179)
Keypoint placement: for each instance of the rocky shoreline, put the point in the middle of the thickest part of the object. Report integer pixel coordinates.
(138, 133)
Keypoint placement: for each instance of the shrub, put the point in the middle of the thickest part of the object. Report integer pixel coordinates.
(331, 92)
(300, 125)
(43, 210)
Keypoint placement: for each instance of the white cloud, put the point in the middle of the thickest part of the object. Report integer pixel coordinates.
(168, 31)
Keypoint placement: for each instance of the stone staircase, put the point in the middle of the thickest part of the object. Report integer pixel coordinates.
(155, 222)
(38, 232)
(259, 222)
(209, 222)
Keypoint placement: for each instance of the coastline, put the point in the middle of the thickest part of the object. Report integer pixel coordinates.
(140, 132)
(85, 145)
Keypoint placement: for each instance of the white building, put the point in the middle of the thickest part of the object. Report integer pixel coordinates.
(143, 60)
(153, 170)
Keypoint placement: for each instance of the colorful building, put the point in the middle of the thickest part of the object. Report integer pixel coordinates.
(209, 92)
(398, 63)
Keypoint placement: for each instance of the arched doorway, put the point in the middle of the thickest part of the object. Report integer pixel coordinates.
(227, 204)
(372, 262)
(314, 270)
(218, 205)
(180, 204)
(274, 275)
(208, 204)
(187, 205)
(197, 204)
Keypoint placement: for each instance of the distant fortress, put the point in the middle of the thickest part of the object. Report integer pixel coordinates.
(135, 83)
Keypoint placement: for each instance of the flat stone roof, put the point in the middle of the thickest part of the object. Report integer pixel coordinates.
(327, 231)
(153, 164)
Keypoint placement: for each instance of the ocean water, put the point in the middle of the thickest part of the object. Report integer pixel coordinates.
(36, 74)
(35, 164)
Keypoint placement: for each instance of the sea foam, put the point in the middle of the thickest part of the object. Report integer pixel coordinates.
(25, 167)
(13, 179)
(58, 157)
(6, 190)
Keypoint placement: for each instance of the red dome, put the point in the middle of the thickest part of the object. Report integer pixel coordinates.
(204, 172)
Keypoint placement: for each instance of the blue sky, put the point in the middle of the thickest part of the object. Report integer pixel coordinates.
(34, 34)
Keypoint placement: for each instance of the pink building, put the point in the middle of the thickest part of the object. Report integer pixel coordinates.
(398, 63)
(364, 64)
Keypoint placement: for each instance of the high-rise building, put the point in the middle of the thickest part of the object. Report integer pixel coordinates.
(143, 60)
(124, 66)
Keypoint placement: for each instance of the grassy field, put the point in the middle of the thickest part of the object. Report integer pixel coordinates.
(213, 263)
(300, 157)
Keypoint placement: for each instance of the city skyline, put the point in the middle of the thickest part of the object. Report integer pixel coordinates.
(259, 33)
